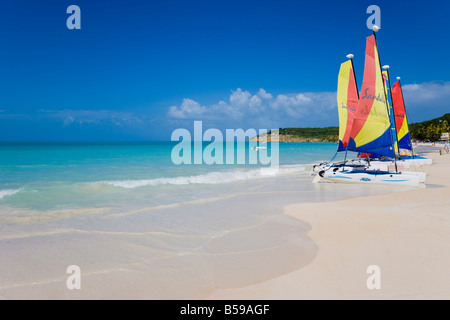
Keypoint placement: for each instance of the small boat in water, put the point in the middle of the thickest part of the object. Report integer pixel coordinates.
(258, 148)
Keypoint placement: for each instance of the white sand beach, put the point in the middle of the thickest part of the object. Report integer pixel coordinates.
(406, 234)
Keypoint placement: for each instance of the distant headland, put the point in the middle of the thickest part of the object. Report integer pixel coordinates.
(430, 130)
(328, 134)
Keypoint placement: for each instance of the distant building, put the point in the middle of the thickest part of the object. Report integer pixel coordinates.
(445, 136)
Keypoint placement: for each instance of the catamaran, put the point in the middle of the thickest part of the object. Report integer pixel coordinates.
(365, 127)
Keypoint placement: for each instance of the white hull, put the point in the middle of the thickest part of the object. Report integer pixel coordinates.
(384, 167)
(338, 172)
(371, 177)
(421, 175)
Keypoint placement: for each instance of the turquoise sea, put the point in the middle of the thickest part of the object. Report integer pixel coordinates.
(46, 176)
(139, 226)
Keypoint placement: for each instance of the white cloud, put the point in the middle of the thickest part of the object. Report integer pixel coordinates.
(284, 101)
(255, 101)
(426, 100)
(427, 92)
(68, 120)
(80, 117)
(188, 109)
(302, 109)
(263, 94)
(261, 108)
(239, 97)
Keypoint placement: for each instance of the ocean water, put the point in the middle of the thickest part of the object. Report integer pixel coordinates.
(47, 176)
(140, 226)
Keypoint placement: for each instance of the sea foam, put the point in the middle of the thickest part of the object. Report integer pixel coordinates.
(216, 177)
(8, 192)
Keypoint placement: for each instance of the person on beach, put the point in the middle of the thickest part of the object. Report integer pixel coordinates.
(446, 146)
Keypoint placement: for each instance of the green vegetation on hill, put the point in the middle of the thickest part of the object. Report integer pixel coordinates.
(327, 134)
(430, 130)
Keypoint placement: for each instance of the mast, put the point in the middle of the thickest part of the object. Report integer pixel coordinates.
(404, 106)
(347, 100)
(350, 56)
(375, 29)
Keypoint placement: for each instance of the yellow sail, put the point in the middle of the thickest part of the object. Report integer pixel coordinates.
(347, 101)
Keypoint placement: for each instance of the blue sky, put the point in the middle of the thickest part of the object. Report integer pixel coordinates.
(139, 69)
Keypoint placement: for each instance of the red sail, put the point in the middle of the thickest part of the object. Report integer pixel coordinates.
(404, 139)
(399, 107)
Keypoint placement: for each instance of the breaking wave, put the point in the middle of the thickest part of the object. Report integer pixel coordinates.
(216, 177)
(8, 192)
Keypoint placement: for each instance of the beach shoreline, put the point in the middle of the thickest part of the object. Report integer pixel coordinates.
(404, 233)
(271, 238)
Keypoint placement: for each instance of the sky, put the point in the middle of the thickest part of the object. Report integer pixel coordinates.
(137, 70)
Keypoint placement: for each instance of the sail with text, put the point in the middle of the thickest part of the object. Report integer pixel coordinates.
(404, 139)
(371, 128)
(347, 101)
